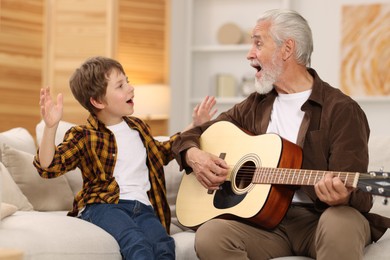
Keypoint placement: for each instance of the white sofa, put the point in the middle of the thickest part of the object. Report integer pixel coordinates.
(33, 210)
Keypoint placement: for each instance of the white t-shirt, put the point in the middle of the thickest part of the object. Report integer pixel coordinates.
(286, 115)
(130, 172)
(286, 119)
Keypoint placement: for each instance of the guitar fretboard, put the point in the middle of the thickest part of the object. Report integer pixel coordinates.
(266, 175)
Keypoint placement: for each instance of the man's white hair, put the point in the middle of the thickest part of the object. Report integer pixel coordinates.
(288, 24)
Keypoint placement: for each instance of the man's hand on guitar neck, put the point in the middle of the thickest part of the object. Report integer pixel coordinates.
(332, 190)
(210, 170)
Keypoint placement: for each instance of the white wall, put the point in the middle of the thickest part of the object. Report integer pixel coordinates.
(324, 17)
(177, 120)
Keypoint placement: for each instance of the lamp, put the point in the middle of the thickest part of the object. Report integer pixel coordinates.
(152, 101)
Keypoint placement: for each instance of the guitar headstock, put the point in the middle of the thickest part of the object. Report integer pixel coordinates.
(377, 183)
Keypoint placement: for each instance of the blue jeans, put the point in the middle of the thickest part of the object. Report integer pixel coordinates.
(135, 227)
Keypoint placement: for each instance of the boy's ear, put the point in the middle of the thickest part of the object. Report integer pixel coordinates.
(96, 103)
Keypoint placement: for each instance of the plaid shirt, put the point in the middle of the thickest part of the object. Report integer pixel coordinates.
(92, 148)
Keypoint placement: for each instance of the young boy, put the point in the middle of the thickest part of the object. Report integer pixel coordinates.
(122, 165)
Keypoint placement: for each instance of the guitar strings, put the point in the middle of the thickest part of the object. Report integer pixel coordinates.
(247, 173)
(252, 169)
(266, 175)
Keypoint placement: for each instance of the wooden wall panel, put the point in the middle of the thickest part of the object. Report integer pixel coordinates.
(21, 31)
(43, 41)
(141, 46)
(76, 30)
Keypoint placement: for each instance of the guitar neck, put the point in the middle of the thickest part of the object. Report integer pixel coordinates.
(266, 175)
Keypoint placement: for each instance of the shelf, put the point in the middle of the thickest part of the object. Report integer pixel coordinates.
(372, 99)
(222, 48)
(220, 100)
(199, 57)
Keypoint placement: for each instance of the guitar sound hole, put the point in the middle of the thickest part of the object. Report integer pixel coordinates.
(245, 174)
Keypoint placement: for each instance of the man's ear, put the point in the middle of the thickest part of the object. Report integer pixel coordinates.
(96, 103)
(288, 50)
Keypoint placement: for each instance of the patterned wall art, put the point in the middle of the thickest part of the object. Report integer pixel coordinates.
(365, 50)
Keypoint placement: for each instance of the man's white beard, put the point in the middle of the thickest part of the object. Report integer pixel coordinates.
(269, 77)
(264, 86)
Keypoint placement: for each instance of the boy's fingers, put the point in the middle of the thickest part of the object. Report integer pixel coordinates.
(59, 98)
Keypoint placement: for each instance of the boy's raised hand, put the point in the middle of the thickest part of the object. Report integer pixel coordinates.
(204, 111)
(51, 112)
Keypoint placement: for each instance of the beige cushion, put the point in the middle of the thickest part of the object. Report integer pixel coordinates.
(11, 193)
(379, 152)
(184, 242)
(20, 139)
(63, 126)
(173, 177)
(75, 180)
(74, 177)
(54, 236)
(7, 210)
(44, 194)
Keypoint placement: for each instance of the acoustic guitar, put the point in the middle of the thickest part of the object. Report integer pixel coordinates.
(264, 171)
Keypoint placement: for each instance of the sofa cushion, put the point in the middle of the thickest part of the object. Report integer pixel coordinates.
(74, 177)
(7, 210)
(19, 138)
(75, 180)
(184, 242)
(173, 177)
(10, 192)
(63, 126)
(43, 194)
(379, 153)
(52, 235)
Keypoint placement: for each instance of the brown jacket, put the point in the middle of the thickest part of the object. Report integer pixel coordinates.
(333, 135)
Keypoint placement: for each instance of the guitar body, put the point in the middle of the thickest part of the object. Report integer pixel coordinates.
(263, 205)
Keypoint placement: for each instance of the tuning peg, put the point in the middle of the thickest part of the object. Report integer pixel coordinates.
(379, 173)
(384, 201)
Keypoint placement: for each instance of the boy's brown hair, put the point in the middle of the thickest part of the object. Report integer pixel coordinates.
(91, 79)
